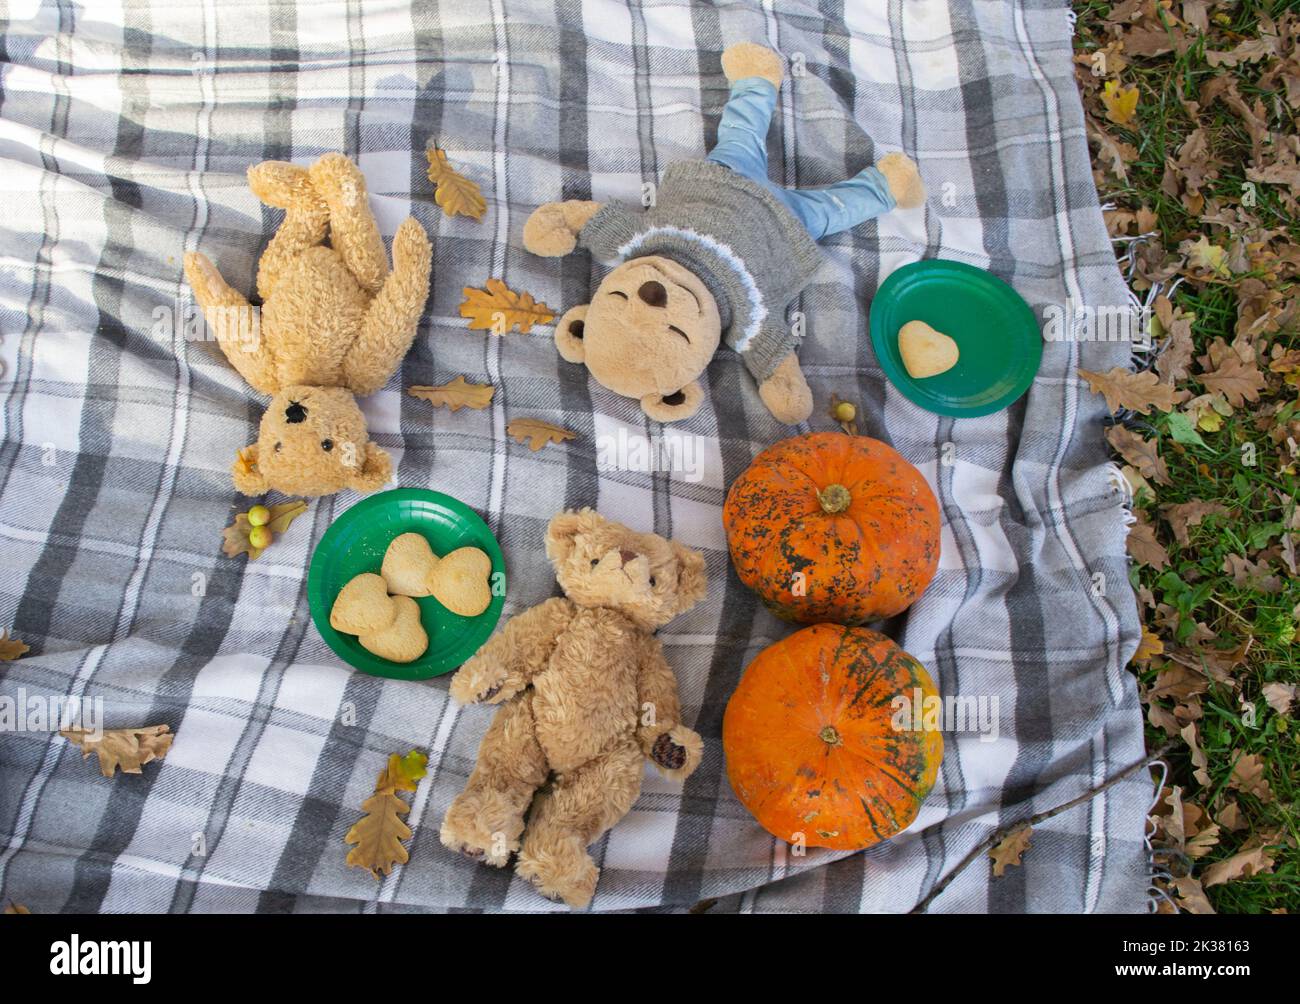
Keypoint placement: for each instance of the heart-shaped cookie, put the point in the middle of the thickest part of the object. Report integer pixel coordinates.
(458, 581)
(405, 639)
(407, 564)
(925, 352)
(363, 606)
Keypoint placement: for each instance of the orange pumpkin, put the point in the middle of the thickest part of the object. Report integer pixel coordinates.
(813, 744)
(829, 527)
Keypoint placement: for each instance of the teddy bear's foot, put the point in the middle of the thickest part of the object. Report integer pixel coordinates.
(562, 872)
(281, 184)
(904, 179)
(749, 59)
(480, 827)
(786, 393)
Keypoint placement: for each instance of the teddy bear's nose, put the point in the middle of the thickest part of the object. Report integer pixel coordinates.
(626, 556)
(653, 293)
(295, 413)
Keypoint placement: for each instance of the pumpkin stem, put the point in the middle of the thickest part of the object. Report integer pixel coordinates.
(834, 498)
(829, 736)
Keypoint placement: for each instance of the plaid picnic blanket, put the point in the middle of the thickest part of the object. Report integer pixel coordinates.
(125, 133)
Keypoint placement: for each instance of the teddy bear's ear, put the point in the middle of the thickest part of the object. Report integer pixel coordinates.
(692, 579)
(568, 334)
(249, 480)
(676, 406)
(564, 527)
(374, 471)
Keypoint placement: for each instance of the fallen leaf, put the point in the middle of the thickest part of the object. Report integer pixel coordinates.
(1191, 897)
(1204, 255)
(1279, 696)
(1183, 430)
(1236, 380)
(1199, 761)
(1120, 102)
(1185, 515)
(235, 537)
(1252, 574)
(11, 648)
(455, 194)
(1177, 682)
(1007, 852)
(128, 749)
(16, 908)
(1243, 864)
(1144, 548)
(1138, 392)
(1248, 775)
(457, 394)
(500, 309)
(537, 433)
(378, 835)
(1144, 454)
(1149, 645)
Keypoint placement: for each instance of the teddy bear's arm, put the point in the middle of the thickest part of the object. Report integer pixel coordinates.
(674, 749)
(233, 321)
(512, 657)
(393, 315)
(552, 229)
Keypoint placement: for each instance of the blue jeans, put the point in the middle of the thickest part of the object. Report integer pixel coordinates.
(742, 146)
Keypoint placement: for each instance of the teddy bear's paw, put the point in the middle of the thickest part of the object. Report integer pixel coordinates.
(481, 831)
(279, 184)
(338, 180)
(565, 874)
(904, 179)
(677, 752)
(749, 59)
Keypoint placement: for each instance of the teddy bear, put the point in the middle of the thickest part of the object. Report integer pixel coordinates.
(584, 696)
(718, 256)
(334, 322)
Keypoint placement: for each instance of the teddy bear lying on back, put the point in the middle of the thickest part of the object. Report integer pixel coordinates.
(719, 256)
(335, 321)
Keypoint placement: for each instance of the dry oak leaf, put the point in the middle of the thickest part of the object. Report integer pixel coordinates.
(1144, 454)
(17, 908)
(1204, 255)
(1148, 646)
(1120, 102)
(1007, 852)
(455, 194)
(1191, 897)
(537, 433)
(1236, 380)
(1138, 392)
(500, 309)
(1144, 548)
(1185, 515)
(378, 835)
(11, 648)
(457, 394)
(235, 537)
(129, 749)
(1199, 761)
(1243, 864)
(1279, 696)
(1251, 574)
(1248, 776)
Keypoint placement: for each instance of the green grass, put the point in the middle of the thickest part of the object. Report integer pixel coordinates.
(1194, 584)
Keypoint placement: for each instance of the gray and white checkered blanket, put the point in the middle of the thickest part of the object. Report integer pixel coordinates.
(125, 131)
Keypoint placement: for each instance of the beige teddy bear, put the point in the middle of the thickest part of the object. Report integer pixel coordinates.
(585, 696)
(718, 256)
(334, 322)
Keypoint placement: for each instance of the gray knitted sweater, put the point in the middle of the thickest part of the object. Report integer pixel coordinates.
(749, 250)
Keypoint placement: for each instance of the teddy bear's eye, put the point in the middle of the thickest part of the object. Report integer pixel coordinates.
(678, 331)
(595, 562)
(618, 292)
(652, 582)
(277, 447)
(327, 445)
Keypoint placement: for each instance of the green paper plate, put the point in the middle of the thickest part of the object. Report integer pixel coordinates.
(356, 543)
(996, 333)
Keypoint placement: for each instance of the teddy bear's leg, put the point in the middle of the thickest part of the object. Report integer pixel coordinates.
(353, 231)
(286, 186)
(486, 819)
(755, 74)
(234, 322)
(393, 315)
(579, 807)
